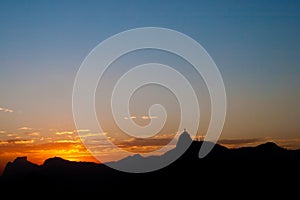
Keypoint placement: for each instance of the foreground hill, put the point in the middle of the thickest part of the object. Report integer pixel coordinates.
(266, 165)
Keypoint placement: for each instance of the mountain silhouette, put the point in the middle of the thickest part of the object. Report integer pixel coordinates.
(19, 167)
(265, 164)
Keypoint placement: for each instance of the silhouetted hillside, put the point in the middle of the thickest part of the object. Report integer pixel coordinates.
(265, 164)
(20, 167)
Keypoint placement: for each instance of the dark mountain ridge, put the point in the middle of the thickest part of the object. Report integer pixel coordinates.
(264, 164)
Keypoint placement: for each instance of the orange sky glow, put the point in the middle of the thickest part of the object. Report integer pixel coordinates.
(40, 145)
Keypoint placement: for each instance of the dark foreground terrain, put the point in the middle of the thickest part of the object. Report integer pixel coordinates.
(264, 169)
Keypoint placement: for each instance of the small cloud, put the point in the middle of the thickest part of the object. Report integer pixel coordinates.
(140, 145)
(237, 143)
(82, 130)
(7, 110)
(240, 141)
(144, 117)
(88, 134)
(25, 128)
(1, 131)
(149, 117)
(131, 117)
(3, 142)
(64, 133)
(293, 143)
(140, 142)
(66, 141)
(18, 141)
(11, 135)
(33, 133)
(48, 139)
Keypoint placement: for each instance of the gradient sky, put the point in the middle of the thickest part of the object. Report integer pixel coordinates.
(255, 44)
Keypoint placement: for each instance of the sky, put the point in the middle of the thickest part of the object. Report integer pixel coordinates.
(255, 45)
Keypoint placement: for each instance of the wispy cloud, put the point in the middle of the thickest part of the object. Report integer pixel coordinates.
(144, 117)
(149, 117)
(89, 134)
(245, 142)
(82, 130)
(1, 131)
(7, 110)
(291, 143)
(66, 141)
(25, 128)
(131, 117)
(64, 133)
(140, 142)
(33, 133)
(18, 141)
(12, 135)
(241, 141)
(3, 142)
(139, 145)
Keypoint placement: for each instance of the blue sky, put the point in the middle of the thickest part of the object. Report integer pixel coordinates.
(255, 44)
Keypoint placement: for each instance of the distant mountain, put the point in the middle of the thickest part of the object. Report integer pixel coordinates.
(265, 164)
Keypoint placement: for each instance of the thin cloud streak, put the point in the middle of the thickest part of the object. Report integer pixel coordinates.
(140, 142)
(18, 141)
(144, 117)
(240, 141)
(82, 130)
(33, 133)
(149, 117)
(25, 128)
(7, 110)
(64, 133)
